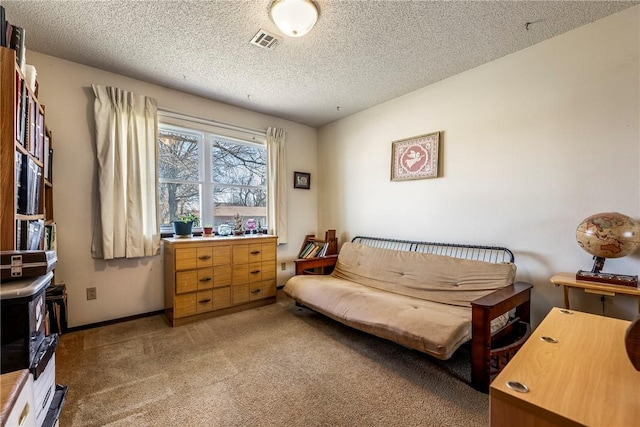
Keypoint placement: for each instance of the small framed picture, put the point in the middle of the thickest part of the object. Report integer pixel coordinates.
(415, 158)
(302, 180)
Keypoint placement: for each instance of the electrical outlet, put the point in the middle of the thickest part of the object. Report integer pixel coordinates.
(283, 266)
(92, 293)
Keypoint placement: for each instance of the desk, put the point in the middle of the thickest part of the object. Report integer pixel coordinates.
(584, 379)
(568, 280)
(18, 408)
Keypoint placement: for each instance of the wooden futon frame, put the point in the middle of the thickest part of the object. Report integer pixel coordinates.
(489, 352)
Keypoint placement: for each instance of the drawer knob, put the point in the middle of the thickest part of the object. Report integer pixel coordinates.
(255, 271)
(204, 301)
(255, 252)
(206, 279)
(256, 291)
(204, 257)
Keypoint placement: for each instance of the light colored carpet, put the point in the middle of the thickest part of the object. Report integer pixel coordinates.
(277, 365)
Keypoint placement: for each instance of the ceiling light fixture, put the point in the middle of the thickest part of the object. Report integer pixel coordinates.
(294, 18)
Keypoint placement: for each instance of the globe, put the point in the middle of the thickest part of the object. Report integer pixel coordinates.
(609, 235)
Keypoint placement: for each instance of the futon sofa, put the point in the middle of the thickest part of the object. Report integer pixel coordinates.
(431, 297)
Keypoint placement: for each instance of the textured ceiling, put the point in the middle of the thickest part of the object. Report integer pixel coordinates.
(359, 54)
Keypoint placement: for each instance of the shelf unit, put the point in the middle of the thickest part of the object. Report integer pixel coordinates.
(25, 161)
(318, 265)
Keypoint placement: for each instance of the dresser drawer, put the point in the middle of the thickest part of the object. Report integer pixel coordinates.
(240, 293)
(204, 257)
(221, 276)
(255, 272)
(196, 257)
(264, 289)
(205, 278)
(240, 254)
(186, 281)
(193, 303)
(204, 301)
(268, 252)
(193, 280)
(268, 270)
(184, 305)
(186, 258)
(221, 297)
(221, 255)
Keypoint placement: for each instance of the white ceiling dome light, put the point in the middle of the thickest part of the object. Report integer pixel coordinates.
(294, 18)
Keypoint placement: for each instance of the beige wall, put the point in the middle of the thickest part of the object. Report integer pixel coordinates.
(129, 287)
(533, 143)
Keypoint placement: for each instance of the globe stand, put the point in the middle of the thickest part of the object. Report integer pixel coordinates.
(598, 264)
(596, 275)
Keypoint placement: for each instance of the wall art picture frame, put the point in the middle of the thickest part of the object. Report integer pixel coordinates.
(415, 158)
(302, 180)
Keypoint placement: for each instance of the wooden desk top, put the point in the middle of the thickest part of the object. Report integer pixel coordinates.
(569, 279)
(10, 388)
(586, 377)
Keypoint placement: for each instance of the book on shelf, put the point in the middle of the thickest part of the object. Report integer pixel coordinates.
(35, 233)
(323, 251)
(31, 126)
(29, 234)
(21, 121)
(306, 250)
(50, 243)
(16, 42)
(3, 28)
(313, 252)
(45, 161)
(28, 179)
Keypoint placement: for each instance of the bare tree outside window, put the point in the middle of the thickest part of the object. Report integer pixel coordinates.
(177, 166)
(239, 174)
(235, 182)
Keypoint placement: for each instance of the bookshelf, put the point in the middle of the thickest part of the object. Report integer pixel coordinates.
(26, 190)
(317, 256)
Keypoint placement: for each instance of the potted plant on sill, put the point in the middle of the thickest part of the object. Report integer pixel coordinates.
(207, 230)
(183, 226)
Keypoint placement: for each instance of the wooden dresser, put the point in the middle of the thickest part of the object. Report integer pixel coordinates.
(583, 379)
(210, 276)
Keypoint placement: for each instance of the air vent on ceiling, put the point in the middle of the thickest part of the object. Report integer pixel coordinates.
(265, 40)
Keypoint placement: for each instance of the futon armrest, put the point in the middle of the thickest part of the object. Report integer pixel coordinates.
(503, 300)
(485, 309)
(305, 265)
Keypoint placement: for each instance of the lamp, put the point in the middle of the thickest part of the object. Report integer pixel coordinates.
(294, 18)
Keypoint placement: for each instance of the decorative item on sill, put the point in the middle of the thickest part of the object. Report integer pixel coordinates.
(207, 230)
(260, 229)
(237, 227)
(183, 226)
(251, 225)
(224, 229)
(608, 235)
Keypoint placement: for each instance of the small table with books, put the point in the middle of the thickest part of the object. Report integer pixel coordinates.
(568, 280)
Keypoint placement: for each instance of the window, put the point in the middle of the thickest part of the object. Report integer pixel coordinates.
(211, 176)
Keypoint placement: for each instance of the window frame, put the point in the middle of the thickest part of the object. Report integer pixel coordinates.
(206, 139)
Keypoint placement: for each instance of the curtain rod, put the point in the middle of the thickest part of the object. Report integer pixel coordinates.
(203, 120)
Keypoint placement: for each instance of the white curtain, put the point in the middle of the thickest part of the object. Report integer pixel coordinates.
(277, 182)
(126, 222)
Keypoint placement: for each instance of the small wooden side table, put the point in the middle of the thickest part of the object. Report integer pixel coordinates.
(568, 280)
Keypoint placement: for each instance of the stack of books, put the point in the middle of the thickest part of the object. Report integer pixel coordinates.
(314, 249)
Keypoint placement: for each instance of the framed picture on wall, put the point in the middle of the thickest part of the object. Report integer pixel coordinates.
(302, 180)
(415, 158)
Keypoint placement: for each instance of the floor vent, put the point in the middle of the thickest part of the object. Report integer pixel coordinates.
(265, 40)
